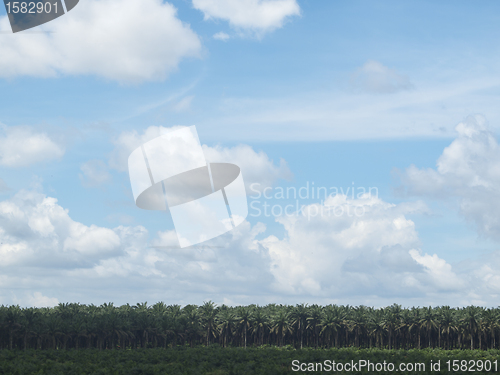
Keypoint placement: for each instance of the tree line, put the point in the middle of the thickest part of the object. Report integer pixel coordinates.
(77, 326)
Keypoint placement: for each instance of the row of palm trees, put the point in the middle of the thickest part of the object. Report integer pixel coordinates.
(107, 326)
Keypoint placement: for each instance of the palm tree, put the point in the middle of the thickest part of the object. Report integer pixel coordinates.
(40, 328)
(447, 323)
(428, 321)
(54, 324)
(226, 320)
(358, 323)
(377, 327)
(281, 325)
(314, 320)
(490, 318)
(158, 311)
(259, 324)
(113, 326)
(391, 320)
(142, 322)
(78, 329)
(407, 323)
(244, 316)
(481, 326)
(174, 314)
(13, 322)
(192, 323)
(471, 318)
(331, 322)
(31, 319)
(208, 312)
(299, 317)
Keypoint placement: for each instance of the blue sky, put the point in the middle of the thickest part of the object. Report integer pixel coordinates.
(401, 96)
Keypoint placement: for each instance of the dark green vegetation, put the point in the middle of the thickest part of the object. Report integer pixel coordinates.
(215, 360)
(75, 326)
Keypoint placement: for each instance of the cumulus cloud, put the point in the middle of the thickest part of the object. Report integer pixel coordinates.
(121, 40)
(124, 256)
(39, 300)
(23, 146)
(373, 77)
(257, 16)
(256, 166)
(47, 252)
(440, 271)
(468, 170)
(360, 247)
(320, 258)
(36, 230)
(94, 173)
(487, 270)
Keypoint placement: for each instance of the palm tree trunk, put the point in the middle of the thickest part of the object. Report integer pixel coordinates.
(439, 336)
(301, 333)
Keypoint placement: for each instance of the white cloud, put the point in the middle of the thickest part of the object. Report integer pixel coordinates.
(467, 170)
(356, 247)
(23, 146)
(256, 167)
(257, 16)
(221, 36)
(50, 254)
(128, 141)
(94, 173)
(368, 259)
(429, 112)
(36, 230)
(438, 270)
(121, 40)
(376, 78)
(91, 240)
(39, 300)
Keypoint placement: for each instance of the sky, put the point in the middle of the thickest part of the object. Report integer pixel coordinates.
(390, 107)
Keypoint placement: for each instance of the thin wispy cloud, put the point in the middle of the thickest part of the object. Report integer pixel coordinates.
(373, 77)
